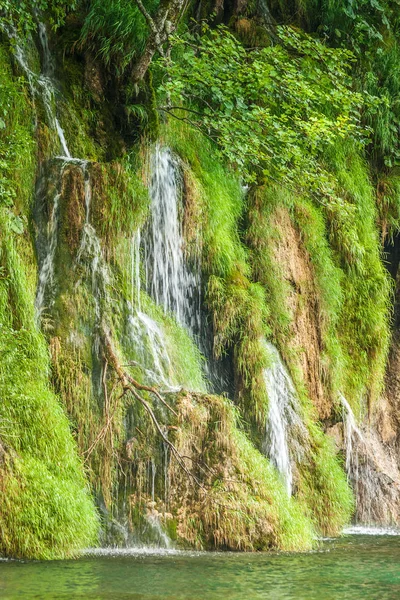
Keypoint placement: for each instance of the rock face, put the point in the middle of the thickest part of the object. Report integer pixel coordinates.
(375, 474)
(303, 306)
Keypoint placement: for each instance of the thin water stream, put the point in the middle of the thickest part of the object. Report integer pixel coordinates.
(353, 567)
(283, 416)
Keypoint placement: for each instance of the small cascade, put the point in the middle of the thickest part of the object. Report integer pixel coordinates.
(351, 433)
(144, 333)
(46, 280)
(169, 280)
(372, 472)
(89, 253)
(148, 341)
(283, 416)
(354, 442)
(42, 86)
(47, 85)
(156, 531)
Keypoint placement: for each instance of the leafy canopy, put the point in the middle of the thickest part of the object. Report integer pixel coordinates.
(272, 110)
(24, 13)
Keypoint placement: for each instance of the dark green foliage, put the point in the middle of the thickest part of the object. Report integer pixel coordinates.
(46, 508)
(116, 31)
(272, 111)
(22, 14)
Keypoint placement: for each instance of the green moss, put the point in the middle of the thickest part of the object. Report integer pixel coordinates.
(119, 199)
(364, 320)
(46, 509)
(218, 192)
(17, 145)
(44, 515)
(323, 488)
(246, 506)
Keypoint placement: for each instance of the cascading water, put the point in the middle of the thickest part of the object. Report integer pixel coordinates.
(171, 283)
(354, 440)
(351, 433)
(145, 334)
(48, 88)
(279, 390)
(42, 86)
(148, 341)
(372, 473)
(48, 240)
(283, 417)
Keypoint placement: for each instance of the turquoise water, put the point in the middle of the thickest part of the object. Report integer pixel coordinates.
(352, 567)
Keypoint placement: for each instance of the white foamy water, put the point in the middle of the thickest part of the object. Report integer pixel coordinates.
(350, 430)
(364, 530)
(148, 340)
(282, 415)
(170, 282)
(46, 270)
(137, 551)
(43, 85)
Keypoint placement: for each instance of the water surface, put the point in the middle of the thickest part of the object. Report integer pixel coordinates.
(352, 567)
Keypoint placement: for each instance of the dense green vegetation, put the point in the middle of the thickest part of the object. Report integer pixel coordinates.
(287, 140)
(45, 502)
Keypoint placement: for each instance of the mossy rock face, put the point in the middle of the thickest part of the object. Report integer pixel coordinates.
(275, 264)
(72, 207)
(46, 508)
(234, 499)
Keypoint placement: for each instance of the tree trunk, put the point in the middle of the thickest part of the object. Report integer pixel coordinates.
(161, 26)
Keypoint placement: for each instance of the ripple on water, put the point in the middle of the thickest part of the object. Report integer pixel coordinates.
(365, 530)
(138, 551)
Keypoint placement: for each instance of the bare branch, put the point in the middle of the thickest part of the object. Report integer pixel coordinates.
(130, 385)
(153, 28)
(161, 26)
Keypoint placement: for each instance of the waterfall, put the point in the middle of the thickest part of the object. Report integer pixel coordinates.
(352, 438)
(282, 414)
(169, 280)
(351, 432)
(41, 86)
(46, 81)
(46, 280)
(171, 283)
(144, 333)
(148, 341)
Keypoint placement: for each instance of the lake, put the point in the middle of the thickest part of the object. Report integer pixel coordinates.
(355, 566)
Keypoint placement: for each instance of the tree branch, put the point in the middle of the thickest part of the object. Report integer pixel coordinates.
(130, 385)
(161, 26)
